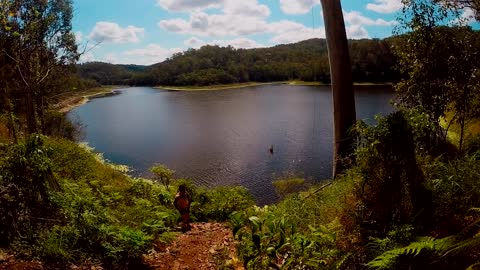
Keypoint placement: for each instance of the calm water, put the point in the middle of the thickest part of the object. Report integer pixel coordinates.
(223, 137)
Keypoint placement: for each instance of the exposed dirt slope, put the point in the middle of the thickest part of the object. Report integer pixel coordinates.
(205, 246)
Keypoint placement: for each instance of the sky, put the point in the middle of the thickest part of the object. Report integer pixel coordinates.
(145, 32)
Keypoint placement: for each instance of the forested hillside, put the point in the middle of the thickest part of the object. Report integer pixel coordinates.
(372, 61)
(109, 74)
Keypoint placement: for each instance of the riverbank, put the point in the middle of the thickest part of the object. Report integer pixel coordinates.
(252, 84)
(215, 87)
(68, 101)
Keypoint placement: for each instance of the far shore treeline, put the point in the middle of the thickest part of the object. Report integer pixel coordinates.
(372, 61)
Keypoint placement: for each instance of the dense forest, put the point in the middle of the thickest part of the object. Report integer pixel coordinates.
(372, 61)
(408, 199)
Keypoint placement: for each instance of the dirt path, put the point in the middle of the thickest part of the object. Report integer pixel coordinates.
(205, 246)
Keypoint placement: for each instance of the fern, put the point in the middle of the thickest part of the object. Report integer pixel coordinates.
(473, 266)
(427, 247)
(428, 251)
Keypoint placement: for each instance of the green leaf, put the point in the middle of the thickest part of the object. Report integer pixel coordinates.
(271, 252)
(256, 222)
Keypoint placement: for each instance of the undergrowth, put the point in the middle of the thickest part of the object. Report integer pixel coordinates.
(404, 205)
(64, 204)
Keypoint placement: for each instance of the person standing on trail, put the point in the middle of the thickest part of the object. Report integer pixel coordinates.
(182, 204)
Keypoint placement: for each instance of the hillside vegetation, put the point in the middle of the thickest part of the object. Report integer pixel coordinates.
(372, 61)
(63, 203)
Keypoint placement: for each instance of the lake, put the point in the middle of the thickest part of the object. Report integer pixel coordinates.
(223, 137)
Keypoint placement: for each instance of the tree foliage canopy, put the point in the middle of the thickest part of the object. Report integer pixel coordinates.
(37, 47)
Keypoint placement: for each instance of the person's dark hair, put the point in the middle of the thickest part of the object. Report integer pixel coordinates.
(181, 188)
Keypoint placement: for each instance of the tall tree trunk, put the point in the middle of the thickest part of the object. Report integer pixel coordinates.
(342, 86)
(462, 132)
(11, 117)
(30, 112)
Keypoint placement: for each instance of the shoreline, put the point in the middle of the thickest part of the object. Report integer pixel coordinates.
(253, 84)
(215, 87)
(69, 103)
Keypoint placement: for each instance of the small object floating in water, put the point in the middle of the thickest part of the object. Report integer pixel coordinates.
(271, 149)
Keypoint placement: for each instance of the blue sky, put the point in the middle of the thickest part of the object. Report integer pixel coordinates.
(149, 31)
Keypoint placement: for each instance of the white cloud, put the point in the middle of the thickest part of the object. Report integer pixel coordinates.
(297, 6)
(250, 8)
(242, 7)
(288, 32)
(151, 54)
(175, 25)
(239, 43)
(356, 32)
(236, 26)
(467, 17)
(356, 18)
(194, 42)
(188, 5)
(385, 6)
(112, 32)
(215, 25)
(237, 18)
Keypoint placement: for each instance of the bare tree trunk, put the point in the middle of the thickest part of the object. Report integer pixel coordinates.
(30, 112)
(11, 117)
(462, 132)
(342, 86)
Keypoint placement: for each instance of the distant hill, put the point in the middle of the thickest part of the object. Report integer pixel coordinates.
(108, 74)
(372, 61)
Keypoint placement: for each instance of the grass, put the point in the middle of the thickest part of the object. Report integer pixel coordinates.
(472, 128)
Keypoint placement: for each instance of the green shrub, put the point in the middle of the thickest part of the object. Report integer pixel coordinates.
(56, 124)
(283, 187)
(455, 189)
(453, 252)
(25, 175)
(392, 190)
(218, 203)
(162, 174)
(307, 230)
(271, 242)
(472, 146)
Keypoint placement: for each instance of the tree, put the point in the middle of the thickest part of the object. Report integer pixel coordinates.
(440, 64)
(38, 42)
(473, 5)
(342, 86)
(162, 174)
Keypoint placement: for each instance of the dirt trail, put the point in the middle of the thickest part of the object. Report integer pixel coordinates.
(205, 246)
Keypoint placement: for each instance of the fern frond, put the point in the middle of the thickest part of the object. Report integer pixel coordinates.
(463, 247)
(474, 266)
(389, 259)
(475, 210)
